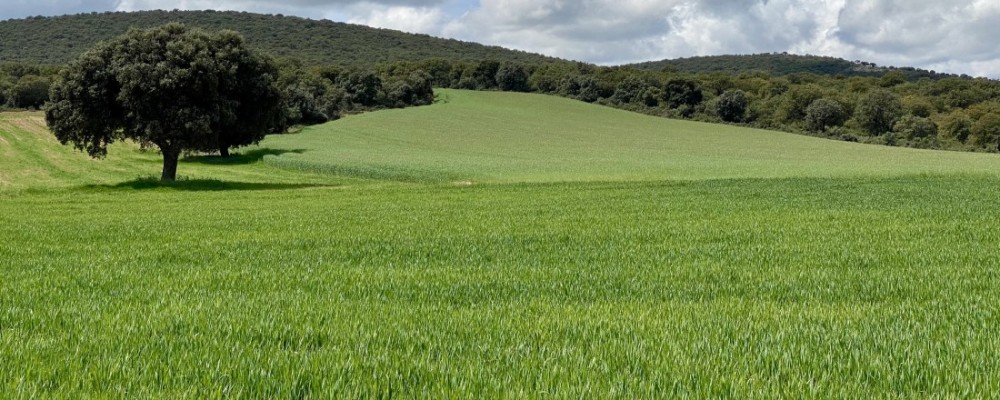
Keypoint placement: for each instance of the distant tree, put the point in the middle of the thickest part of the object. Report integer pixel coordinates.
(309, 98)
(439, 70)
(485, 74)
(546, 78)
(824, 113)
(956, 125)
(918, 106)
(5, 86)
(878, 111)
(581, 87)
(914, 127)
(29, 92)
(412, 90)
(680, 92)
(892, 78)
(173, 87)
(361, 88)
(796, 100)
(512, 77)
(632, 89)
(732, 105)
(986, 131)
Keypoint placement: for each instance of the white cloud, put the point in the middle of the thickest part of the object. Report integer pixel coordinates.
(954, 36)
(591, 30)
(403, 18)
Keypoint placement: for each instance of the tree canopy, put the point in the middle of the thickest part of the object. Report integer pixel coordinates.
(174, 87)
(57, 40)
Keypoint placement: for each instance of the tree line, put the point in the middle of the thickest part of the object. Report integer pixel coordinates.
(954, 113)
(894, 108)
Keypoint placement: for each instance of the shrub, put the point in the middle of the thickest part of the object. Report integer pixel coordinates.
(824, 113)
(732, 105)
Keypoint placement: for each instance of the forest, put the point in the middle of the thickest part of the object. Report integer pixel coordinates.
(57, 40)
(818, 96)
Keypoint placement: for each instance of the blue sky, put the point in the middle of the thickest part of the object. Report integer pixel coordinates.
(955, 36)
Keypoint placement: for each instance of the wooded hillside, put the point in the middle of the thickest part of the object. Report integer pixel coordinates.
(784, 64)
(57, 40)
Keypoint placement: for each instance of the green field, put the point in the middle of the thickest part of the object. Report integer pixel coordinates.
(500, 245)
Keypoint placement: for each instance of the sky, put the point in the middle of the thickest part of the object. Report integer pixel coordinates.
(956, 36)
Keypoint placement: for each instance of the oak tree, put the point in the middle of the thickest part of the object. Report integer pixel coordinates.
(177, 88)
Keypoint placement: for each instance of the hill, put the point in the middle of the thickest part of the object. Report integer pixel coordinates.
(779, 64)
(748, 263)
(497, 137)
(516, 137)
(56, 40)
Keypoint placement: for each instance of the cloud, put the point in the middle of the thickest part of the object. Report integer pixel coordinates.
(921, 32)
(599, 31)
(953, 36)
(403, 18)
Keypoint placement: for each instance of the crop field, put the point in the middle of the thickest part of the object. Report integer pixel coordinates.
(500, 245)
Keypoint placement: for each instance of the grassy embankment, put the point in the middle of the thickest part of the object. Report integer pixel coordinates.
(599, 253)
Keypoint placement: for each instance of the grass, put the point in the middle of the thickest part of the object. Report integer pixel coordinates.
(513, 137)
(250, 280)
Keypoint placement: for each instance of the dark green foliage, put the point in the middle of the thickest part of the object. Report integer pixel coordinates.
(547, 77)
(177, 88)
(824, 113)
(913, 127)
(309, 98)
(4, 87)
(782, 64)
(633, 90)
(29, 92)
(414, 89)
(918, 106)
(58, 40)
(252, 105)
(485, 74)
(680, 92)
(956, 125)
(732, 105)
(878, 111)
(986, 131)
(796, 100)
(362, 88)
(581, 87)
(24, 86)
(512, 77)
(892, 78)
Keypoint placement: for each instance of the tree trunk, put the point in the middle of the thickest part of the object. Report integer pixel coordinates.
(224, 151)
(170, 157)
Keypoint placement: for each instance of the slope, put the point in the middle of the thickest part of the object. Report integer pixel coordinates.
(56, 40)
(512, 137)
(32, 158)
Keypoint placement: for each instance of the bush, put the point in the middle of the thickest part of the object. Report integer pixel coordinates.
(30, 92)
(956, 125)
(914, 127)
(878, 112)
(732, 105)
(797, 100)
(824, 113)
(682, 93)
(512, 77)
(986, 131)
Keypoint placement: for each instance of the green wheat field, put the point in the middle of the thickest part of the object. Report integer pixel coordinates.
(500, 245)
